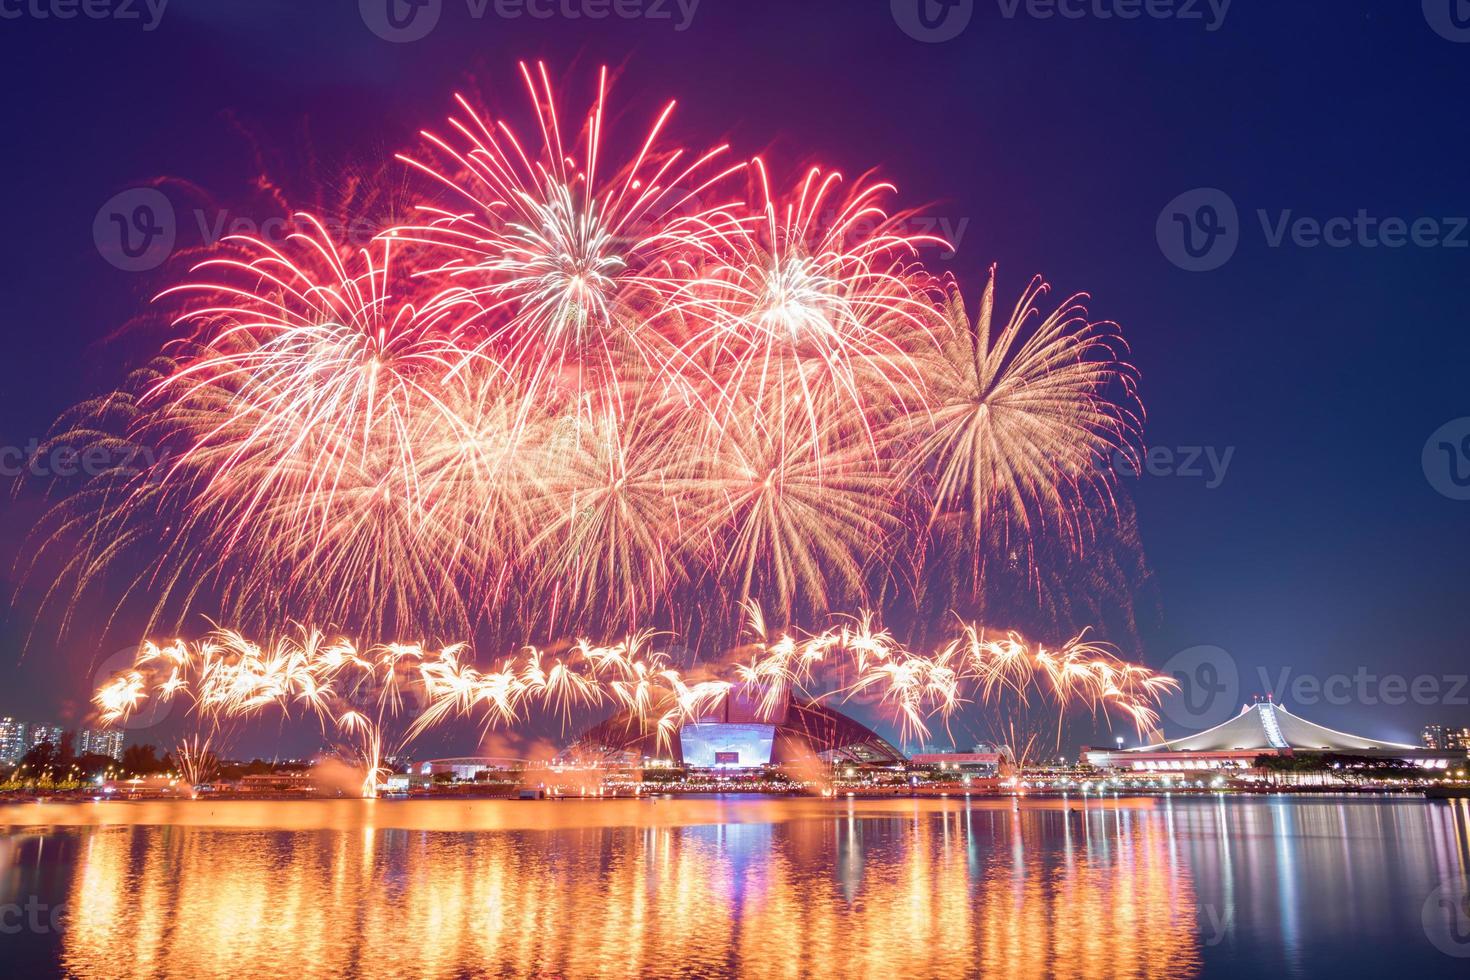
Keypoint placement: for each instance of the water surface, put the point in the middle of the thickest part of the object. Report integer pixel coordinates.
(1158, 887)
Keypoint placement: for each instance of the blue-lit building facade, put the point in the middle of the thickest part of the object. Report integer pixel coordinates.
(736, 737)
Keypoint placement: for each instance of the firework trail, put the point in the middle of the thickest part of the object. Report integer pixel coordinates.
(196, 759)
(364, 698)
(357, 698)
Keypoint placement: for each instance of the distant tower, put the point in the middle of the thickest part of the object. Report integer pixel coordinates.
(1434, 737)
(12, 741)
(97, 741)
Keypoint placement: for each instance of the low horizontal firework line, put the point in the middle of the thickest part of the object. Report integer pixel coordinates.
(364, 697)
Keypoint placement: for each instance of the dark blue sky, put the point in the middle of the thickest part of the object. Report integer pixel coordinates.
(1048, 144)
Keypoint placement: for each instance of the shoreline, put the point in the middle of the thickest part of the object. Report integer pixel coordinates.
(839, 794)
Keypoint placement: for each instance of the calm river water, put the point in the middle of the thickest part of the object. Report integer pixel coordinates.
(896, 889)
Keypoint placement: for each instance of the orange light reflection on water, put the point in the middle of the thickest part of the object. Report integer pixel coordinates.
(767, 888)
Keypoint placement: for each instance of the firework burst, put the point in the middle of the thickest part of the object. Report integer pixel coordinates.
(570, 257)
(819, 296)
(1020, 419)
(584, 392)
(297, 410)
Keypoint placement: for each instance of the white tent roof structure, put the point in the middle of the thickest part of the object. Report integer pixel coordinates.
(1266, 725)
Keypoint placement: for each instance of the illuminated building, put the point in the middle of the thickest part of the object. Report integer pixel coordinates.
(93, 741)
(466, 768)
(404, 782)
(984, 760)
(278, 782)
(1445, 738)
(18, 737)
(36, 734)
(12, 741)
(736, 737)
(1263, 728)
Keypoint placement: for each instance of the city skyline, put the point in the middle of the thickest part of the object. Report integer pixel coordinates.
(19, 737)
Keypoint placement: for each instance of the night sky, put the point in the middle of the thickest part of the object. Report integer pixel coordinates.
(1049, 145)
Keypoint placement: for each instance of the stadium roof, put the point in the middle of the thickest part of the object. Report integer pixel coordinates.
(1266, 725)
(799, 730)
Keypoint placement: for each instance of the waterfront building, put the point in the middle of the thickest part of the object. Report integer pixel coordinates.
(738, 736)
(1264, 728)
(405, 782)
(278, 782)
(983, 760)
(465, 769)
